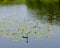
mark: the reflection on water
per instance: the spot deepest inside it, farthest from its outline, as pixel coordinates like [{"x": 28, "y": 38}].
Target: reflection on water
[
  {"x": 48, "y": 12},
  {"x": 21, "y": 22}
]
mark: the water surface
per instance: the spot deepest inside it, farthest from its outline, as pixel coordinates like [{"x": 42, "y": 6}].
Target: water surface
[{"x": 22, "y": 24}]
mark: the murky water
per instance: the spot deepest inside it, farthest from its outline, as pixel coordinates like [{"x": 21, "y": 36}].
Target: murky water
[{"x": 21, "y": 24}]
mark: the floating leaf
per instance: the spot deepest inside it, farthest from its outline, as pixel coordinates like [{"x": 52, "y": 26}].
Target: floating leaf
[
  {"x": 39, "y": 38},
  {"x": 1, "y": 33},
  {"x": 27, "y": 32},
  {"x": 50, "y": 36},
  {"x": 15, "y": 40},
  {"x": 35, "y": 26},
  {"x": 9, "y": 36}
]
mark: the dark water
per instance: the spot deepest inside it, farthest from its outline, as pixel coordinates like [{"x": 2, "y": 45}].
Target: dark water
[{"x": 30, "y": 26}]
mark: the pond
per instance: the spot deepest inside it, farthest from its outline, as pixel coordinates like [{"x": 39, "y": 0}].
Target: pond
[{"x": 27, "y": 26}]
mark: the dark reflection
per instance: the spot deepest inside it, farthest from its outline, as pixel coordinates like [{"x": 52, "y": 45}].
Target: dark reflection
[
  {"x": 26, "y": 40},
  {"x": 11, "y": 0},
  {"x": 1, "y": 0},
  {"x": 49, "y": 12},
  {"x": 33, "y": 3}
]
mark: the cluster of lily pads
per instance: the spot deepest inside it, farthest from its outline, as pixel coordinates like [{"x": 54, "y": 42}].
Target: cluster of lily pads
[{"x": 17, "y": 30}]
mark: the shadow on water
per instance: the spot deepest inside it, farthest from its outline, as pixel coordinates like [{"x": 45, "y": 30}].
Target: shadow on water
[{"x": 45, "y": 11}]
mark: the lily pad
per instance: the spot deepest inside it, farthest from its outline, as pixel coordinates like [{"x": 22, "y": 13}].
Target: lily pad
[
  {"x": 50, "y": 36},
  {"x": 35, "y": 26}
]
